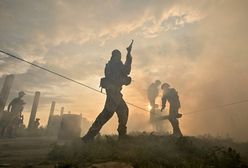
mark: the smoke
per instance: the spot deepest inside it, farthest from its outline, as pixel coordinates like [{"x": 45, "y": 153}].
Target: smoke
[
  {"x": 199, "y": 47},
  {"x": 208, "y": 66}
]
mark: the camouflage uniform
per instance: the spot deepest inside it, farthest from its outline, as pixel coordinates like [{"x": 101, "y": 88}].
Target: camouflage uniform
[
  {"x": 171, "y": 95},
  {"x": 115, "y": 72}
]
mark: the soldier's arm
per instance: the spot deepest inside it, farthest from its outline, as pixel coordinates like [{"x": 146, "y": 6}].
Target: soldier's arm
[
  {"x": 128, "y": 62},
  {"x": 21, "y": 110},
  {"x": 10, "y": 105},
  {"x": 164, "y": 100}
]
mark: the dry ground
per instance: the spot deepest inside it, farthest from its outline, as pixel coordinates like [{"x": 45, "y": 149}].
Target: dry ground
[{"x": 26, "y": 152}]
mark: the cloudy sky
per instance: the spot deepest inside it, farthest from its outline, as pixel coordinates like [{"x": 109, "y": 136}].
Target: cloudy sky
[{"x": 198, "y": 46}]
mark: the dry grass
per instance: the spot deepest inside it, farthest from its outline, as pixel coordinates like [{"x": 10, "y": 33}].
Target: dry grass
[{"x": 153, "y": 151}]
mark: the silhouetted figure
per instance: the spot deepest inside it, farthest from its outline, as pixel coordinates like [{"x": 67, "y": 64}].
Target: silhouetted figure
[
  {"x": 171, "y": 95},
  {"x": 37, "y": 123},
  {"x": 14, "y": 115},
  {"x": 116, "y": 75},
  {"x": 152, "y": 92}
]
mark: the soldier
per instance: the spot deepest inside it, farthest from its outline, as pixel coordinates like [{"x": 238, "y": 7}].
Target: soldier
[
  {"x": 15, "y": 109},
  {"x": 16, "y": 105},
  {"x": 36, "y": 123},
  {"x": 171, "y": 95},
  {"x": 152, "y": 92},
  {"x": 116, "y": 75}
]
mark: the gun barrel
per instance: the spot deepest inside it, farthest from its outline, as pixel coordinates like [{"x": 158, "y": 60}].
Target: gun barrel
[{"x": 131, "y": 43}]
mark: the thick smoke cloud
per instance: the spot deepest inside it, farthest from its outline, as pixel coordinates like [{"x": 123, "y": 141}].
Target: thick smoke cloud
[
  {"x": 199, "y": 47},
  {"x": 208, "y": 66}
]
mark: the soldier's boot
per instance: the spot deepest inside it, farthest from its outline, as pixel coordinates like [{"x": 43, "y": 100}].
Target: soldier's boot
[
  {"x": 122, "y": 130},
  {"x": 176, "y": 129},
  {"x": 87, "y": 138},
  {"x": 93, "y": 131},
  {"x": 101, "y": 119},
  {"x": 177, "y": 132},
  {"x": 122, "y": 114}
]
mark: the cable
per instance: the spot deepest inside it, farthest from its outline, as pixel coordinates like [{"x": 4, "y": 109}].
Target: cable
[
  {"x": 65, "y": 77},
  {"x": 217, "y": 107},
  {"x": 131, "y": 104},
  {"x": 45, "y": 69}
]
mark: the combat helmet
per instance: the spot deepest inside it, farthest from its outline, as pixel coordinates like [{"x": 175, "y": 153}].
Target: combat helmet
[{"x": 165, "y": 85}]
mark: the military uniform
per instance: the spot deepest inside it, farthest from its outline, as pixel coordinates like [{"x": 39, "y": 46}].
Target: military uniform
[
  {"x": 17, "y": 106},
  {"x": 171, "y": 95},
  {"x": 152, "y": 93},
  {"x": 116, "y": 75},
  {"x": 12, "y": 117}
]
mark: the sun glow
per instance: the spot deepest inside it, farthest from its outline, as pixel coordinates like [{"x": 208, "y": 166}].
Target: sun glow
[{"x": 149, "y": 107}]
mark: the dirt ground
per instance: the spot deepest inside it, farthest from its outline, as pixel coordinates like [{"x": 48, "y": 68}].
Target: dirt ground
[
  {"x": 26, "y": 152},
  {"x": 32, "y": 152}
]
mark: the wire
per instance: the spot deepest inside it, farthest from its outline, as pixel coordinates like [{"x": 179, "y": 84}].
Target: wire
[
  {"x": 131, "y": 104},
  {"x": 65, "y": 77},
  {"x": 217, "y": 107},
  {"x": 45, "y": 69}
]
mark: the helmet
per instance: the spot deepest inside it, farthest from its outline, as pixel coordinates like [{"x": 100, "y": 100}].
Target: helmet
[
  {"x": 158, "y": 82},
  {"x": 21, "y": 93},
  {"x": 116, "y": 55},
  {"x": 165, "y": 85}
]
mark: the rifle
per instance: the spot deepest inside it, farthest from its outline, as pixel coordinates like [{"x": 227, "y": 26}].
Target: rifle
[
  {"x": 129, "y": 48},
  {"x": 167, "y": 117}
]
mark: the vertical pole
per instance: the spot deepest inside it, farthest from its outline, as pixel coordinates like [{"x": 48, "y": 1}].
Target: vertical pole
[
  {"x": 34, "y": 109},
  {"x": 51, "y": 112},
  {"x": 5, "y": 92},
  {"x": 62, "y": 111}
]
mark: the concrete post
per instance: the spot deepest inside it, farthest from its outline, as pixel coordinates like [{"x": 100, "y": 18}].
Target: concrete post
[
  {"x": 34, "y": 109},
  {"x": 62, "y": 111},
  {"x": 51, "y": 112},
  {"x": 5, "y": 92}
]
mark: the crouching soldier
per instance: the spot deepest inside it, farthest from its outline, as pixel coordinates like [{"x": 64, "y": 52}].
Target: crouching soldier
[
  {"x": 116, "y": 75},
  {"x": 171, "y": 95}
]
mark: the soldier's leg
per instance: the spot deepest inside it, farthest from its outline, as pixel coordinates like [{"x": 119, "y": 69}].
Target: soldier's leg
[
  {"x": 122, "y": 114},
  {"x": 103, "y": 117},
  {"x": 174, "y": 122},
  {"x": 175, "y": 125}
]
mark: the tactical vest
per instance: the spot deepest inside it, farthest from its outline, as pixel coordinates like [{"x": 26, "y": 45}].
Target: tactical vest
[{"x": 114, "y": 76}]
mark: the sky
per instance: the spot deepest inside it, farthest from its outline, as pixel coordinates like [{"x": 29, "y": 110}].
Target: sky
[{"x": 197, "y": 46}]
